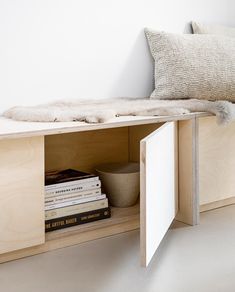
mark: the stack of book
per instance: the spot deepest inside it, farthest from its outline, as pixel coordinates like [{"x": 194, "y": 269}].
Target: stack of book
[{"x": 73, "y": 197}]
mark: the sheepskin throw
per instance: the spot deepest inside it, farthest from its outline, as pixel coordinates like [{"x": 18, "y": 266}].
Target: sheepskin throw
[
  {"x": 97, "y": 111},
  {"x": 198, "y": 66}
]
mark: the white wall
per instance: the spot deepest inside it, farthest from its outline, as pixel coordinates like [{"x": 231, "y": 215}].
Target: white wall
[{"x": 53, "y": 49}]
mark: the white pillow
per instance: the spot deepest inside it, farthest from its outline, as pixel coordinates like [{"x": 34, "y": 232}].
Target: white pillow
[
  {"x": 193, "y": 66},
  {"x": 213, "y": 29}
]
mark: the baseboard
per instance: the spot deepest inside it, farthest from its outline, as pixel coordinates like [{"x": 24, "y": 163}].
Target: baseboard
[{"x": 217, "y": 204}]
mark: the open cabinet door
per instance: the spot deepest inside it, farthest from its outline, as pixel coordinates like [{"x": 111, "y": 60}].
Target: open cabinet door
[{"x": 158, "y": 187}]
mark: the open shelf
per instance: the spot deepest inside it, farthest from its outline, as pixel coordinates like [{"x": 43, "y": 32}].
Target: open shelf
[{"x": 119, "y": 217}]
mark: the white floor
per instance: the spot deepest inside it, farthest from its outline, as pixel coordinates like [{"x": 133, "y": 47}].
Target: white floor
[{"x": 190, "y": 259}]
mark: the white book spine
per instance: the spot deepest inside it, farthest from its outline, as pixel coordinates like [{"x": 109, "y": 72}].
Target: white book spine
[
  {"x": 76, "y": 209},
  {"x": 69, "y": 197},
  {"x": 73, "y": 189},
  {"x": 70, "y": 183},
  {"x": 75, "y": 202}
]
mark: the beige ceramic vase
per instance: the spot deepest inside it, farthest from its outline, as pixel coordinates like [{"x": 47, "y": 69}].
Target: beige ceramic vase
[{"x": 121, "y": 182}]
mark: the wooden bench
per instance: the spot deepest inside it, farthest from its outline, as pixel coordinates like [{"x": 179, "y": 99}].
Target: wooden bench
[{"x": 173, "y": 164}]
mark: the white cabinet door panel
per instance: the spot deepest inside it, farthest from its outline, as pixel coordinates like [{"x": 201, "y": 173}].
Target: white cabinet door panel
[{"x": 159, "y": 189}]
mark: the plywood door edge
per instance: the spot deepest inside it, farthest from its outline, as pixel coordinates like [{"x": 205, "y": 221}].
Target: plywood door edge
[
  {"x": 143, "y": 228},
  {"x": 196, "y": 213},
  {"x": 176, "y": 125}
]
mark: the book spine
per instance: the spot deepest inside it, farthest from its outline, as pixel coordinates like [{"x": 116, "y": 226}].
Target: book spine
[
  {"x": 73, "y": 189},
  {"x": 69, "y": 197},
  {"x": 75, "y": 202},
  {"x": 73, "y": 182},
  {"x": 69, "y": 221},
  {"x": 75, "y": 209}
]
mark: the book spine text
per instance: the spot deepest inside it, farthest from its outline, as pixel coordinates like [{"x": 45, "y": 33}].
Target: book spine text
[
  {"x": 73, "y": 189},
  {"x": 70, "y": 183},
  {"x": 74, "y": 202},
  {"x": 75, "y": 209},
  {"x": 69, "y": 221},
  {"x": 69, "y": 197}
]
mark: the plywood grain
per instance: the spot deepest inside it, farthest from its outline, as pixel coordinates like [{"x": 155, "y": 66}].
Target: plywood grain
[
  {"x": 22, "y": 193},
  {"x": 86, "y": 150},
  {"x": 136, "y": 134},
  {"x": 216, "y": 161},
  {"x": 188, "y": 172}
]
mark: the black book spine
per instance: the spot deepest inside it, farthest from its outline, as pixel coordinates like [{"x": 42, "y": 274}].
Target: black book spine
[{"x": 77, "y": 219}]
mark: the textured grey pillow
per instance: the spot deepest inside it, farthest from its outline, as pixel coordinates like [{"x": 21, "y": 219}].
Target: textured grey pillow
[
  {"x": 193, "y": 66},
  {"x": 213, "y": 29}
]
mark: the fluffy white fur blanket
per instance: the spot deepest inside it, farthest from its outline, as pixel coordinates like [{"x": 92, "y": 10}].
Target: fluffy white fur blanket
[{"x": 98, "y": 111}]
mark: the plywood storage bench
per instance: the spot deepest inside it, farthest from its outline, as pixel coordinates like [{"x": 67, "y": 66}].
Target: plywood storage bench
[{"x": 176, "y": 155}]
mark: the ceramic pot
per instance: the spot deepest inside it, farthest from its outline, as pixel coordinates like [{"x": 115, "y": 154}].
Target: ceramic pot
[{"x": 121, "y": 182}]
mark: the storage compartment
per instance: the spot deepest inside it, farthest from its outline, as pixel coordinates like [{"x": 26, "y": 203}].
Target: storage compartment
[
  {"x": 155, "y": 147},
  {"x": 84, "y": 151}
]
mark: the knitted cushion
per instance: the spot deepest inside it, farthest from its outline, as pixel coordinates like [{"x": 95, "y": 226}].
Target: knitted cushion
[{"x": 193, "y": 66}]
